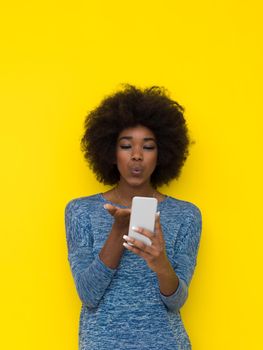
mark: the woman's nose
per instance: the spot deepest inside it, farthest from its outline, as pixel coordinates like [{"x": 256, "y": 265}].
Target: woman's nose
[{"x": 137, "y": 154}]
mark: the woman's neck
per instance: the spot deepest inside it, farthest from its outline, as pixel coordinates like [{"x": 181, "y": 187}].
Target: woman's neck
[
  {"x": 128, "y": 192},
  {"x": 124, "y": 193}
]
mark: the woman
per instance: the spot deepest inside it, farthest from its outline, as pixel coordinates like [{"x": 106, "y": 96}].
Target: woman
[{"x": 131, "y": 295}]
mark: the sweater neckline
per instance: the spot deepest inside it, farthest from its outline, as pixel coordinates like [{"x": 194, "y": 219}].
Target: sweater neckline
[{"x": 159, "y": 204}]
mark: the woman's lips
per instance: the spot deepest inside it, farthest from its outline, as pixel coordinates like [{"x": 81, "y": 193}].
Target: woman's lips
[{"x": 136, "y": 171}]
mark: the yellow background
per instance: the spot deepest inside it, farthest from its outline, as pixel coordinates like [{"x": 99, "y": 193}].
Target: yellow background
[{"x": 58, "y": 59}]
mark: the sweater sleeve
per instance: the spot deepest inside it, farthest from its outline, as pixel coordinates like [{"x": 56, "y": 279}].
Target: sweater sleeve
[
  {"x": 185, "y": 258},
  {"x": 91, "y": 275}
]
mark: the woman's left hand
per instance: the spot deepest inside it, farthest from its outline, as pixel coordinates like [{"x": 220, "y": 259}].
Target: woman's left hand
[{"x": 155, "y": 254}]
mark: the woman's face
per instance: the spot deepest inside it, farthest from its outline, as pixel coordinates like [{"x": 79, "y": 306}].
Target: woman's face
[{"x": 136, "y": 155}]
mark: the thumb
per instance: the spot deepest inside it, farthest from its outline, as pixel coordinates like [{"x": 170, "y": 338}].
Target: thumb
[{"x": 157, "y": 222}]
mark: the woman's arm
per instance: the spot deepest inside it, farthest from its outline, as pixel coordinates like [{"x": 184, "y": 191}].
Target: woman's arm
[
  {"x": 173, "y": 277},
  {"x": 112, "y": 250},
  {"x": 168, "y": 280},
  {"x": 92, "y": 274},
  {"x": 184, "y": 260}
]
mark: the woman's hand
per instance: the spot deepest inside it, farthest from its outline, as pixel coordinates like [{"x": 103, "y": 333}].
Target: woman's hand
[
  {"x": 121, "y": 217},
  {"x": 112, "y": 249},
  {"x": 155, "y": 254}
]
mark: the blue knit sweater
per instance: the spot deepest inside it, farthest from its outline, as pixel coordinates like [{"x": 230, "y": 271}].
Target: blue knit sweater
[{"x": 122, "y": 308}]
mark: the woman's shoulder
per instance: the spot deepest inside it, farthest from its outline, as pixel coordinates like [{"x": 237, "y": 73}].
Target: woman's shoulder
[
  {"x": 84, "y": 204},
  {"x": 183, "y": 212},
  {"x": 183, "y": 207}
]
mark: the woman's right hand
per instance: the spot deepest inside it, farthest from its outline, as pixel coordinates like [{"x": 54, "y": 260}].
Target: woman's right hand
[
  {"x": 121, "y": 217},
  {"x": 113, "y": 248}
]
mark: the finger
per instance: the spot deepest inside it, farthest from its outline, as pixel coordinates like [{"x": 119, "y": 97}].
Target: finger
[
  {"x": 137, "y": 251},
  {"x": 157, "y": 227},
  {"x": 138, "y": 244},
  {"x": 123, "y": 212},
  {"x": 157, "y": 219},
  {"x": 143, "y": 231},
  {"x": 111, "y": 208}
]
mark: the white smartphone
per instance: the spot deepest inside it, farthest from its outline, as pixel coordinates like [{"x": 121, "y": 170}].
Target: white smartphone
[{"x": 143, "y": 212}]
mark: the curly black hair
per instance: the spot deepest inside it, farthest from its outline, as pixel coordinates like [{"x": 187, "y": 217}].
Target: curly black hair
[{"x": 150, "y": 107}]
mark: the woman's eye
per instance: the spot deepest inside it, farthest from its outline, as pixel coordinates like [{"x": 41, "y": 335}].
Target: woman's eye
[{"x": 149, "y": 147}]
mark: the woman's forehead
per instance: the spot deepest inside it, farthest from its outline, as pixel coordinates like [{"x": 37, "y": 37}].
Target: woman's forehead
[{"x": 138, "y": 132}]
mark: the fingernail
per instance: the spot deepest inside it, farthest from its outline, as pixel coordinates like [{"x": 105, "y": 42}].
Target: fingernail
[
  {"x": 158, "y": 213},
  {"x": 134, "y": 228},
  {"x": 125, "y": 245},
  {"x": 127, "y": 238},
  {"x": 105, "y": 206}
]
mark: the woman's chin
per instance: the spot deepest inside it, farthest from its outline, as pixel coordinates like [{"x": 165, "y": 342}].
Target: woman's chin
[{"x": 136, "y": 182}]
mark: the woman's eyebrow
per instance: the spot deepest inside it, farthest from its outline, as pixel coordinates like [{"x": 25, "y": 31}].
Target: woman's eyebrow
[{"x": 130, "y": 138}]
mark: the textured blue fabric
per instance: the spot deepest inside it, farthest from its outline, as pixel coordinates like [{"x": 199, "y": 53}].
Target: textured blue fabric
[{"x": 123, "y": 308}]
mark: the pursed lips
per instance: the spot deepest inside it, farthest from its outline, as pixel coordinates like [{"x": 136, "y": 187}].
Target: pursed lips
[{"x": 136, "y": 170}]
